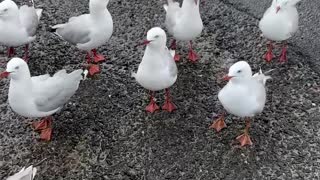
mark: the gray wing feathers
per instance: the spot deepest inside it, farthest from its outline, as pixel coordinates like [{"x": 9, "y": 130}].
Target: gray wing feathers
[
  {"x": 29, "y": 19},
  {"x": 53, "y": 92},
  {"x": 172, "y": 64},
  {"x": 75, "y": 31}
]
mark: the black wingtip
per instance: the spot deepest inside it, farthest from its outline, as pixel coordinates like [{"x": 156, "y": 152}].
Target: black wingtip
[{"x": 53, "y": 30}]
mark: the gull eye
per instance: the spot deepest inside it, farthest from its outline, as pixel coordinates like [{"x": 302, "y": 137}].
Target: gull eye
[
  {"x": 157, "y": 36},
  {"x": 5, "y": 10},
  {"x": 239, "y": 71},
  {"x": 16, "y": 68}
]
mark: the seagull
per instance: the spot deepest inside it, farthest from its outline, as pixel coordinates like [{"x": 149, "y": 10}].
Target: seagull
[
  {"x": 24, "y": 174},
  {"x": 88, "y": 32},
  {"x": 157, "y": 70},
  {"x": 39, "y": 96},
  {"x": 18, "y": 26},
  {"x": 243, "y": 96},
  {"x": 184, "y": 23},
  {"x": 279, "y": 23}
]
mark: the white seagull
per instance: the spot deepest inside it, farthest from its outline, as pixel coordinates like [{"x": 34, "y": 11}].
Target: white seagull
[
  {"x": 157, "y": 70},
  {"x": 18, "y": 26},
  {"x": 243, "y": 96},
  {"x": 39, "y": 96},
  {"x": 24, "y": 174},
  {"x": 279, "y": 23},
  {"x": 88, "y": 32},
  {"x": 184, "y": 23}
]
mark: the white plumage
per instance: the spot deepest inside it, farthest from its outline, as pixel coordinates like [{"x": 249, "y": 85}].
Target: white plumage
[
  {"x": 39, "y": 96},
  {"x": 18, "y": 26},
  {"x": 157, "y": 70},
  {"x": 184, "y": 22},
  {"x": 280, "y": 21},
  {"x": 244, "y": 95},
  {"x": 88, "y": 31}
]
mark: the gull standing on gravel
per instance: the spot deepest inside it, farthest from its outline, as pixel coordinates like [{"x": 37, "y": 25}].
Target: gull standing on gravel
[
  {"x": 18, "y": 26},
  {"x": 184, "y": 23},
  {"x": 39, "y": 96},
  {"x": 279, "y": 23},
  {"x": 24, "y": 174},
  {"x": 88, "y": 32},
  {"x": 157, "y": 70},
  {"x": 243, "y": 96}
]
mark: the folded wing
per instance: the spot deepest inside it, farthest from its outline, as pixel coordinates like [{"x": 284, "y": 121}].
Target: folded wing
[
  {"x": 76, "y": 31},
  {"x": 52, "y": 93}
]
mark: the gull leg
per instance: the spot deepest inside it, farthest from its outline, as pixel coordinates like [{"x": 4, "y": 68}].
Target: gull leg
[
  {"x": 283, "y": 57},
  {"x": 269, "y": 55},
  {"x": 192, "y": 55},
  {"x": 11, "y": 52},
  {"x": 26, "y": 53},
  {"x": 44, "y": 126},
  {"x": 46, "y": 134},
  {"x": 97, "y": 58},
  {"x": 152, "y": 107},
  {"x": 219, "y": 123},
  {"x": 173, "y": 45},
  {"x": 244, "y": 138},
  {"x": 168, "y": 105},
  {"x": 92, "y": 68}
]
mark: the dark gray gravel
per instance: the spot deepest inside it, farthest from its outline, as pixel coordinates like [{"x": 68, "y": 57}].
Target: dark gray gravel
[{"x": 104, "y": 133}]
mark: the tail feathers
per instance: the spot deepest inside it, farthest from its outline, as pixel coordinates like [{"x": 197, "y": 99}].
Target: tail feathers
[
  {"x": 52, "y": 30},
  {"x": 76, "y": 75},
  {"x": 165, "y": 7},
  {"x": 262, "y": 77},
  {"x": 133, "y": 74},
  {"x": 39, "y": 13}
]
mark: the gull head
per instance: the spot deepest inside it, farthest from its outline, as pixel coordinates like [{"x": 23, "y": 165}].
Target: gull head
[
  {"x": 16, "y": 68},
  {"x": 240, "y": 69},
  {"x": 283, "y": 4},
  {"x": 8, "y": 9},
  {"x": 156, "y": 37}
]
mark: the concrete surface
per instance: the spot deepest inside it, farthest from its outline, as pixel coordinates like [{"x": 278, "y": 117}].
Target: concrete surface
[{"x": 104, "y": 133}]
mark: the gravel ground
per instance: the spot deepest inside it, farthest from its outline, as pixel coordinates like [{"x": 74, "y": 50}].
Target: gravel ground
[{"x": 104, "y": 133}]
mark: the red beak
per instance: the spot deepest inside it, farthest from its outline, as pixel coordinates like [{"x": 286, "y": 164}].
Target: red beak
[
  {"x": 278, "y": 9},
  {"x": 4, "y": 74},
  {"x": 227, "y": 78},
  {"x": 144, "y": 43}
]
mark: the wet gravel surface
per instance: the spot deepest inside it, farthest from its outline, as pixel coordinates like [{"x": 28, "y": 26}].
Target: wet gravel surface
[{"x": 104, "y": 133}]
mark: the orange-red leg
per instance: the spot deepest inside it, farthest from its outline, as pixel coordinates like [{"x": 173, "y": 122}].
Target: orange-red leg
[
  {"x": 44, "y": 127},
  {"x": 192, "y": 55},
  {"x": 97, "y": 58},
  {"x": 152, "y": 107},
  {"x": 283, "y": 56},
  {"x": 218, "y": 124},
  {"x": 269, "y": 55},
  {"x": 168, "y": 105},
  {"x": 244, "y": 138}
]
